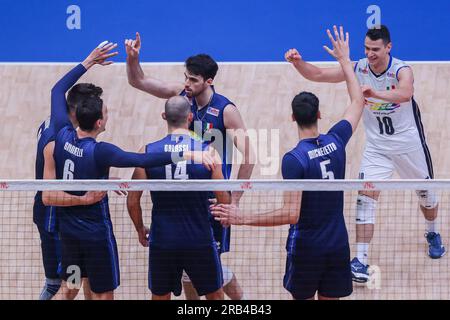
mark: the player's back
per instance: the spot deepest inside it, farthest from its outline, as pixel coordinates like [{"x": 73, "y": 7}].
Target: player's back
[
  {"x": 321, "y": 223},
  {"x": 43, "y": 216},
  {"x": 75, "y": 159},
  {"x": 179, "y": 219}
]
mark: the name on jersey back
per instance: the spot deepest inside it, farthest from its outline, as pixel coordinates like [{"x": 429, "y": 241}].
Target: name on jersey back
[
  {"x": 320, "y": 152},
  {"x": 77, "y": 152},
  {"x": 176, "y": 147}
]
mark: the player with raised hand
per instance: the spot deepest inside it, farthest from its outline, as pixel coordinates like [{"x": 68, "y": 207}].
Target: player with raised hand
[
  {"x": 45, "y": 217},
  {"x": 215, "y": 116},
  {"x": 394, "y": 133},
  {"x": 87, "y": 237},
  {"x": 318, "y": 251}
]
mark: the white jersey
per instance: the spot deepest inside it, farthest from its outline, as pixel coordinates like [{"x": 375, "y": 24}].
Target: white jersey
[{"x": 391, "y": 128}]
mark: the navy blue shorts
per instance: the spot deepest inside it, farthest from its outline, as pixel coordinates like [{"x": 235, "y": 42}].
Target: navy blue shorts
[
  {"x": 221, "y": 236},
  {"x": 97, "y": 259},
  {"x": 166, "y": 267},
  {"x": 328, "y": 274},
  {"x": 51, "y": 253}
]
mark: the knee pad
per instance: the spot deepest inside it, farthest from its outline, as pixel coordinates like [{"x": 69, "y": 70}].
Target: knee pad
[
  {"x": 365, "y": 209},
  {"x": 427, "y": 198},
  {"x": 227, "y": 275}
]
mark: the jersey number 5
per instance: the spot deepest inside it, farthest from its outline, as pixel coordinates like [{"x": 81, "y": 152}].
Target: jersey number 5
[
  {"x": 180, "y": 171},
  {"x": 326, "y": 174}
]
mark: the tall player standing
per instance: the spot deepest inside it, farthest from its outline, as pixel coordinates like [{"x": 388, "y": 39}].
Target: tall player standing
[
  {"x": 214, "y": 114},
  {"x": 395, "y": 137},
  {"x": 317, "y": 247},
  {"x": 180, "y": 237},
  {"x": 45, "y": 217}
]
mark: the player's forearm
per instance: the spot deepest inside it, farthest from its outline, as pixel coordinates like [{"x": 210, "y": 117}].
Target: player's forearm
[
  {"x": 69, "y": 79},
  {"x": 223, "y": 197},
  {"x": 353, "y": 87},
  {"x": 61, "y": 199},
  {"x": 135, "y": 73},
  {"x": 109, "y": 155},
  {"x": 58, "y": 113},
  {"x": 395, "y": 96},
  {"x": 307, "y": 70},
  {"x": 135, "y": 213},
  {"x": 313, "y": 73},
  {"x": 244, "y": 173},
  {"x": 274, "y": 218}
]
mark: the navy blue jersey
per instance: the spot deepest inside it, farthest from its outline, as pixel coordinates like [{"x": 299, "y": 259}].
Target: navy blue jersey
[
  {"x": 211, "y": 117},
  {"x": 86, "y": 158},
  {"x": 179, "y": 219},
  {"x": 321, "y": 225},
  {"x": 44, "y": 217}
]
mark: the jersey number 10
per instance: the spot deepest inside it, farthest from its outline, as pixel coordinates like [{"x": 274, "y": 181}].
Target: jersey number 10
[{"x": 386, "y": 125}]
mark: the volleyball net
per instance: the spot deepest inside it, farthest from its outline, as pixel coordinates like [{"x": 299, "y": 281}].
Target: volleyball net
[{"x": 400, "y": 266}]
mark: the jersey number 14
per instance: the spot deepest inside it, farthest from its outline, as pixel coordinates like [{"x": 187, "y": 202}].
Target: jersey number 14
[{"x": 179, "y": 173}]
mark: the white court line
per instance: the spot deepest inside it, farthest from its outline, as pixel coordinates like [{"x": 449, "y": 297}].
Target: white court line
[{"x": 182, "y": 63}]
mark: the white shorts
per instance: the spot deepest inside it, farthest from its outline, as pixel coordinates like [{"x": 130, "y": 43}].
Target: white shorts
[{"x": 412, "y": 165}]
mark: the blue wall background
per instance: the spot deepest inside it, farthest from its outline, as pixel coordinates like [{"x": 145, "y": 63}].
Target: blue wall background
[{"x": 229, "y": 30}]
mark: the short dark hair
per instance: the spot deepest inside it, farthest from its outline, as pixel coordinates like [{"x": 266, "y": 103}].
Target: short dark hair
[
  {"x": 202, "y": 65},
  {"x": 305, "y": 108},
  {"x": 379, "y": 32},
  {"x": 80, "y": 92},
  {"x": 88, "y": 112}
]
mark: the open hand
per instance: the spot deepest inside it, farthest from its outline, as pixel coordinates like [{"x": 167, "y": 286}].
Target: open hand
[{"x": 341, "y": 49}]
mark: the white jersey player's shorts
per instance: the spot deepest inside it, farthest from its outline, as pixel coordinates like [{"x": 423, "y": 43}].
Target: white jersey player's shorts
[
  {"x": 412, "y": 165},
  {"x": 380, "y": 166}
]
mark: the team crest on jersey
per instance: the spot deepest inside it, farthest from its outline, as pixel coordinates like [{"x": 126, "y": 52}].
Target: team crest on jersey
[
  {"x": 390, "y": 75},
  {"x": 213, "y": 111},
  {"x": 363, "y": 71},
  {"x": 390, "y": 88}
]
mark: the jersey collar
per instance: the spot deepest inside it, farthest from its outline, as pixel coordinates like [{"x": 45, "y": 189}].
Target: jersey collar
[{"x": 389, "y": 66}]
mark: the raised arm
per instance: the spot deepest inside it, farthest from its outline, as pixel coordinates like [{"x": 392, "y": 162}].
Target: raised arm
[
  {"x": 58, "y": 115},
  {"x": 61, "y": 198},
  {"x": 137, "y": 78},
  {"x": 233, "y": 120},
  {"x": 341, "y": 52},
  {"x": 311, "y": 72}
]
